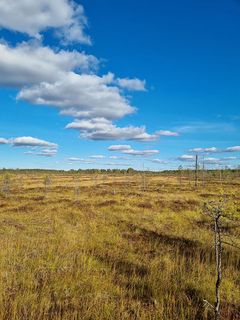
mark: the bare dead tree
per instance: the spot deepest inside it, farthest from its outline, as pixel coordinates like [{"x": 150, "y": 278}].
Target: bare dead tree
[
  {"x": 143, "y": 179},
  {"x": 47, "y": 183},
  {"x": 218, "y": 257},
  {"x": 77, "y": 192},
  {"x": 220, "y": 176},
  {"x": 94, "y": 180},
  {"x": 126, "y": 181},
  {"x": 114, "y": 185},
  {"x": 217, "y": 212},
  {"x": 196, "y": 171},
  {"x": 203, "y": 171},
  {"x": 180, "y": 169},
  {"x": 189, "y": 177}
]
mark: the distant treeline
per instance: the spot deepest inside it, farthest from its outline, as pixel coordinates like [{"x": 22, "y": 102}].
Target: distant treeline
[{"x": 118, "y": 171}]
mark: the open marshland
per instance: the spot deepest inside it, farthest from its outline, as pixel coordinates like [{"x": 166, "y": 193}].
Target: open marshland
[{"x": 104, "y": 246}]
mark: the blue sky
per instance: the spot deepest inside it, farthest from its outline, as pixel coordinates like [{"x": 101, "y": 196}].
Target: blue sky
[{"x": 159, "y": 80}]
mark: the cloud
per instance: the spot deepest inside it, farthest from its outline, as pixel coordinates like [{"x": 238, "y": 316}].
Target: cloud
[
  {"x": 206, "y": 127},
  {"x": 232, "y": 149},
  {"x": 228, "y": 158},
  {"x": 95, "y": 124},
  {"x": 85, "y": 96},
  {"x": 128, "y": 150},
  {"x": 218, "y": 160},
  {"x": 120, "y": 133},
  {"x": 119, "y": 147},
  {"x": 98, "y": 156},
  {"x": 34, "y": 17},
  {"x": 30, "y": 63},
  {"x": 186, "y": 157},
  {"x": 208, "y": 160},
  {"x": 159, "y": 161},
  {"x": 93, "y": 100},
  {"x": 215, "y": 150},
  {"x": 119, "y": 158},
  {"x": 132, "y": 84},
  {"x": 31, "y": 142},
  {"x": 47, "y": 153},
  {"x": 42, "y": 153},
  {"x": 75, "y": 159},
  {"x": 3, "y": 141},
  {"x": 212, "y": 161},
  {"x": 140, "y": 152},
  {"x": 114, "y": 164},
  {"x": 167, "y": 133},
  {"x": 82, "y": 160},
  {"x": 103, "y": 129},
  {"x": 37, "y": 146},
  {"x": 205, "y": 150},
  {"x": 47, "y": 78},
  {"x": 66, "y": 79}
]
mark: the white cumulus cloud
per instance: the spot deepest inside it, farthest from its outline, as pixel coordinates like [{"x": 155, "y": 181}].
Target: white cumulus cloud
[
  {"x": 219, "y": 160},
  {"x": 31, "y": 142},
  {"x": 205, "y": 150},
  {"x": 97, "y": 156},
  {"x": 37, "y": 146},
  {"x": 63, "y": 79},
  {"x": 35, "y": 16},
  {"x": 215, "y": 150},
  {"x": 42, "y": 153},
  {"x": 167, "y": 133},
  {"x": 159, "y": 161},
  {"x": 3, "y": 141},
  {"x": 186, "y": 157},
  {"x": 233, "y": 149},
  {"x": 103, "y": 129},
  {"x": 140, "y": 152},
  {"x": 119, "y": 147},
  {"x": 30, "y": 63},
  {"x": 132, "y": 84},
  {"x": 128, "y": 150},
  {"x": 85, "y": 95}
]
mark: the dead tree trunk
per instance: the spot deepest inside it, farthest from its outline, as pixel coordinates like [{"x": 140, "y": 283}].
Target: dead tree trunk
[
  {"x": 196, "y": 171},
  {"x": 218, "y": 257},
  {"x": 220, "y": 176},
  {"x": 143, "y": 179},
  {"x": 189, "y": 177},
  {"x": 215, "y": 211},
  {"x": 203, "y": 172},
  {"x": 180, "y": 168}
]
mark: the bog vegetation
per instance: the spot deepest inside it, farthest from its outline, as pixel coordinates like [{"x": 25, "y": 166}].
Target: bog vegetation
[{"x": 116, "y": 245}]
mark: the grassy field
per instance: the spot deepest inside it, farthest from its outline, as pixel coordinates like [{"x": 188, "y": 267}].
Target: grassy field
[{"x": 77, "y": 246}]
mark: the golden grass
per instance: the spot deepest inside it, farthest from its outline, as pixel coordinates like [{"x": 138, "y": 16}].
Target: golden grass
[{"x": 98, "y": 247}]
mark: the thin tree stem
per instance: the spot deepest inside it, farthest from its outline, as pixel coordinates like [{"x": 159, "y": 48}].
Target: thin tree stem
[{"x": 218, "y": 256}]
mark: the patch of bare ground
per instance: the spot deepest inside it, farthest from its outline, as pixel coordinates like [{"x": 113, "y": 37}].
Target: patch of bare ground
[{"x": 107, "y": 203}]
